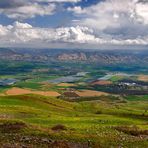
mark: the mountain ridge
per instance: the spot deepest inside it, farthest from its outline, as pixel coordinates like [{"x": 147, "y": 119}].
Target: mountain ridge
[{"x": 44, "y": 55}]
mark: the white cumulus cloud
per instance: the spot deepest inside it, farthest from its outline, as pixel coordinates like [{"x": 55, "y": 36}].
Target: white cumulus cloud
[
  {"x": 23, "y": 33},
  {"x": 59, "y": 1},
  {"x": 115, "y": 18}
]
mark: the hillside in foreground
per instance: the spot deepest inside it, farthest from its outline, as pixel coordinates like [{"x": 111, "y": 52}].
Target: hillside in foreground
[{"x": 37, "y": 121}]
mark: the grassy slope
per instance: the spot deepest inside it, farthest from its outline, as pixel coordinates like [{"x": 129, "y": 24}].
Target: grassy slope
[{"x": 85, "y": 121}]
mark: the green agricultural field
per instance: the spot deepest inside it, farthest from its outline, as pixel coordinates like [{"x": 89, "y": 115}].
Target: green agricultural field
[
  {"x": 31, "y": 85},
  {"x": 39, "y": 121},
  {"x": 117, "y": 78},
  {"x": 137, "y": 98}
]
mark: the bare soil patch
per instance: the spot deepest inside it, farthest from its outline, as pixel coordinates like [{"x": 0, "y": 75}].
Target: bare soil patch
[
  {"x": 12, "y": 127},
  {"x": 143, "y": 78},
  {"x": 20, "y": 91},
  {"x": 101, "y": 82}
]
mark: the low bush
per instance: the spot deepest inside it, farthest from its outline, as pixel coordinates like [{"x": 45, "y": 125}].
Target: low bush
[
  {"x": 134, "y": 130},
  {"x": 59, "y": 127}
]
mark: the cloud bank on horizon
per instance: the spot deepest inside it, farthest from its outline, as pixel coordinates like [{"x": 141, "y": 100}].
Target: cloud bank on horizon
[{"x": 94, "y": 23}]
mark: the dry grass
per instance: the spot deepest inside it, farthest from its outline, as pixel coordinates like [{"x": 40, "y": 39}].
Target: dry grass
[
  {"x": 143, "y": 78},
  {"x": 1, "y": 94},
  {"x": 20, "y": 91},
  {"x": 90, "y": 93},
  {"x": 66, "y": 84}
]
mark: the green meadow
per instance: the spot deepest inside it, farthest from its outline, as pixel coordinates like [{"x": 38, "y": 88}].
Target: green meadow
[{"x": 99, "y": 123}]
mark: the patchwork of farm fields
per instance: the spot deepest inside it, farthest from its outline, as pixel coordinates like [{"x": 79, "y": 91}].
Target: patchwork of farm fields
[{"x": 73, "y": 107}]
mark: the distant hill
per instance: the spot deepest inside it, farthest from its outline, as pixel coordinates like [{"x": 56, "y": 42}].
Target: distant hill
[
  {"x": 6, "y": 51},
  {"x": 100, "y": 56}
]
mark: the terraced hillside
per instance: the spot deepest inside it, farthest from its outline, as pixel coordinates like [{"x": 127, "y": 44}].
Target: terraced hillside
[{"x": 37, "y": 121}]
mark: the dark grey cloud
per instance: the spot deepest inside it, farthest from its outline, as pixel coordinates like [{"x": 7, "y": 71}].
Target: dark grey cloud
[
  {"x": 144, "y": 1},
  {"x": 6, "y": 4},
  {"x": 24, "y": 9}
]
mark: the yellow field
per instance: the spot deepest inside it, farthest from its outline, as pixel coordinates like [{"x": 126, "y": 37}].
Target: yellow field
[
  {"x": 20, "y": 91},
  {"x": 143, "y": 78},
  {"x": 90, "y": 93},
  {"x": 66, "y": 84}
]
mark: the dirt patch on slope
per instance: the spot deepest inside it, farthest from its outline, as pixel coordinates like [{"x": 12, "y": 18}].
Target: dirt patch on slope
[{"x": 11, "y": 127}]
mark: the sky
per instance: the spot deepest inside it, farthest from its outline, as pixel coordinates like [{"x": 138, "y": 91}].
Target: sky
[{"x": 108, "y": 24}]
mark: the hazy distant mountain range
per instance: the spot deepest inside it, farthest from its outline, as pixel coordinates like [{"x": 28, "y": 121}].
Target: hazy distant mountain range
[{"x": 100, "y": 56}]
